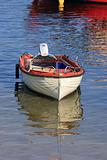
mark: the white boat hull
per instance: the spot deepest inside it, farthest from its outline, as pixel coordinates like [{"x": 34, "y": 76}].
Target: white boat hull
[{"x": 50, "y": 86}]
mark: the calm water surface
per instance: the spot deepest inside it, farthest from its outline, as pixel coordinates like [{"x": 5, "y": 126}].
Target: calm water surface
[{"x": 34, "y": 127}]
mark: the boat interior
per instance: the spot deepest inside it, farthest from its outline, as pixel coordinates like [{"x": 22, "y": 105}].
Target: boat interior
[
  {"x": 57, "y": 64},
  {"x": 47, "y": 63}
]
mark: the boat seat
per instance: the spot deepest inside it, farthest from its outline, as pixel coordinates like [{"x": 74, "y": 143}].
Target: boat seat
[{"x": 42, "y": 69}]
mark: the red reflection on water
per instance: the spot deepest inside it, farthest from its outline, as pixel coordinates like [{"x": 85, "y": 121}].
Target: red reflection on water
[
  {"x": 96, "y": 13},
  {"x": 98, "y": 16},
  {"x": 101, "y": 1}
]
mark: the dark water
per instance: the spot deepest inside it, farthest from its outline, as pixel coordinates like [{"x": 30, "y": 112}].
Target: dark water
[{"x": 33, "y": 127}]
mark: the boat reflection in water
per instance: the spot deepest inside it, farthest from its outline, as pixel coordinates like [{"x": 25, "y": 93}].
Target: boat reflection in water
[{"x": 55, "y": 118}]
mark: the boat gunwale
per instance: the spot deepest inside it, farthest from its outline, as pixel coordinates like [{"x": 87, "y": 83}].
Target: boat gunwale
[{"x": 52, "y": 74}]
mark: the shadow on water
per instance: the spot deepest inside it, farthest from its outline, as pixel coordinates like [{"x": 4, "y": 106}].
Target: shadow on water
[{"x": 56, "y": 118}]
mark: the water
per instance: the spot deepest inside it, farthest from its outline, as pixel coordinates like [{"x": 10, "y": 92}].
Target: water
[{"x": 34, "y": 126}]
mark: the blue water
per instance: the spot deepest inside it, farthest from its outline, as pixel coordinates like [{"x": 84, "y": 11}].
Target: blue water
[{"x": 36, "y": 127}]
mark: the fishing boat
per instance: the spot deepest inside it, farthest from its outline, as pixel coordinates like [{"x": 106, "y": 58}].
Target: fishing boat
[{"x": 54, "y": 76}]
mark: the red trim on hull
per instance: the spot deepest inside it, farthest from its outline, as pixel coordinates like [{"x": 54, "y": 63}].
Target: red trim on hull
[
  {"x": 53, "y": 75},
  {"x": 58, "y": 73}
]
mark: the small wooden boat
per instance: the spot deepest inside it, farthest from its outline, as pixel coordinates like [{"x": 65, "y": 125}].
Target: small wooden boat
[{"x": 54, "y": 76}]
